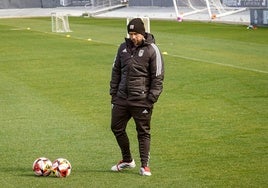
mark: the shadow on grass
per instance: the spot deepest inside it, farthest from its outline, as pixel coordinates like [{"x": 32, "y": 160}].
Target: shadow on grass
[
  {"x": 26, "y": 172},
  {"x": 108, "y": 171}
]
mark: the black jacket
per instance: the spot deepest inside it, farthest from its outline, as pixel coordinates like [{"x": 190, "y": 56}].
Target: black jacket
[{"x": 138, "y": 73}]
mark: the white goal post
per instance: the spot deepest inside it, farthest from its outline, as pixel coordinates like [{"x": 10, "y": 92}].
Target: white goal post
[
  {"x": 60, "y": 23},
  {"x": 65, "y": 2},
  {"x": 146, "y": 21}
]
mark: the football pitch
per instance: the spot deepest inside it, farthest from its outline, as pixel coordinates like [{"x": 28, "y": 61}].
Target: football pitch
[{"x": 209, "y": 127}]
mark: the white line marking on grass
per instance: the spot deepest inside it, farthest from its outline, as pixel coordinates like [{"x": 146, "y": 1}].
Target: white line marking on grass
[
  {"x": 78, "y": 38},
  {"x": 18, "y": 29},
  {"x": 222, "y": 64}
]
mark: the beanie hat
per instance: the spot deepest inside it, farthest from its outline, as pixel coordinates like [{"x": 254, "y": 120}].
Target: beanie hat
[{"x": 136, "y": 25}]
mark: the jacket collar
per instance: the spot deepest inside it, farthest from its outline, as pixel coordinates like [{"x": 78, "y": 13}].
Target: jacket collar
[{"x": 149, "y": 39}]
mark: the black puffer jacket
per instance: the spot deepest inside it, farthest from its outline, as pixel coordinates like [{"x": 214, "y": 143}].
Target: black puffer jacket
[{"x": 138, "y": 73}]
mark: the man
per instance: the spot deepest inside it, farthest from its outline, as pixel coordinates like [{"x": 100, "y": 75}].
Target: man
[{"x": 136, "y": 83}]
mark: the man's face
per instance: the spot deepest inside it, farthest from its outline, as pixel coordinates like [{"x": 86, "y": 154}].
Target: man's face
[{"x": 136, "y": 38}]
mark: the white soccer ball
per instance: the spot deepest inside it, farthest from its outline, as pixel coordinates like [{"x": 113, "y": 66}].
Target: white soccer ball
[
  {"x": 61, "y": 167},
  {"x": 42, "y": 166}
]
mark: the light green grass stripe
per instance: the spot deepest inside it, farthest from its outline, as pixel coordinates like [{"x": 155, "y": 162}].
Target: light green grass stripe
[
  {"x": 216, "y": 63},
  {"x": 172, "y": 55}
]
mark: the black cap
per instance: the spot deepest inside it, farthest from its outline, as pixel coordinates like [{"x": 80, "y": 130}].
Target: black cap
[{"x": 136, "y": 25}]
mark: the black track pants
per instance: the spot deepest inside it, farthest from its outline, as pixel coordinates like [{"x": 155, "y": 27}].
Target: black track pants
[{"x": 142, "y": 117}]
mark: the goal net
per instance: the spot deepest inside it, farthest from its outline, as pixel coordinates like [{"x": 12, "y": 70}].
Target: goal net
[
  {"x": 60, "y": 23},
  {"x": 213, "y": 8},
  {"x": 95, "y": 7},
  {"x": 146, "y": 21}
]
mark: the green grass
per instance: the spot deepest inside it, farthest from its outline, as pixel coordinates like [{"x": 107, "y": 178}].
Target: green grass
[{"x": 209, "y": 128}]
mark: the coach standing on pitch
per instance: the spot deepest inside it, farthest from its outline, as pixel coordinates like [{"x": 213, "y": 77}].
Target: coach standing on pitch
[{"x": 136, "y": 83}]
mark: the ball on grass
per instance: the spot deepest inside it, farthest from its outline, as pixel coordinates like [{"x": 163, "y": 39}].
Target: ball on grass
[
  {"x": 179, "y": 19},
  {"x": 42, "y": 166},
  {"x": 61, "y": 168}
]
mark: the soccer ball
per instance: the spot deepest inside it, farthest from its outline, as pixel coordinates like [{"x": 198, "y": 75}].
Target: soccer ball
[
  {"x": 179, "y": 19},
  {"x": 42, "y": 166},
  {"x": 61, "y": 167}
]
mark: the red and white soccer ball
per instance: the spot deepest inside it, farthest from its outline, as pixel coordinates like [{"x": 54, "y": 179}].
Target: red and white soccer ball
[
  {"x": 61, "y": 167},
  {"x": 42, "y": 166}
]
